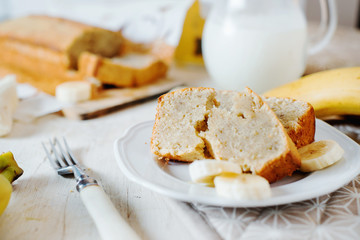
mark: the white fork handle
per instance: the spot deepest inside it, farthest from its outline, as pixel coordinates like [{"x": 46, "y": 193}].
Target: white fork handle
[{"x": 106, "y": 217}]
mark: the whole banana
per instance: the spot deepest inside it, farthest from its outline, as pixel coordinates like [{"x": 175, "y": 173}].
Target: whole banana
[
  {"x": 9, "y": 172},
  {"x": 5, "y": 193},
  {"x": 331, "y": 92}
]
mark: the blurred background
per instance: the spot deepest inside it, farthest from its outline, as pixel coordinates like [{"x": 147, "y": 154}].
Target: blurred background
[
  {"x": 102, "y": 10},
  {"x": 348, "y": 12},
  {"x": 163, "y": 18}
]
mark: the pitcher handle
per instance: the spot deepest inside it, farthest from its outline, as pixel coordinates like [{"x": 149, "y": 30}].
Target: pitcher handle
[{"x": 328, "y": 25}]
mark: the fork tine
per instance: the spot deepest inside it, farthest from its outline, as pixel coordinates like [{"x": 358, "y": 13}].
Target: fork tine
[
  {"x": 73, "y": 159},
  {"x": 53, "y": 162},
  {"x": 65, "y": 154},
  {"x": 58, "y": 158}
]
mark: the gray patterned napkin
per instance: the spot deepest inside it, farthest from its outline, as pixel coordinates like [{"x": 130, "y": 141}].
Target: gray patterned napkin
[{"x": 333, "y": 216}]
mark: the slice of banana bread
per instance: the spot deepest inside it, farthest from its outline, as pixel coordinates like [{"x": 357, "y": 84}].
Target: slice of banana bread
[
  {"x": 197, "y": 123},
  {"x": 130, "y": 70},
  {"x": 181, "y": 116},
  {"x": 298, "y": 118}
]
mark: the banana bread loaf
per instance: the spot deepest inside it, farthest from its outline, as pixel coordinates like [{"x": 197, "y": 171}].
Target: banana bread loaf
[{"x": 51, "y": 40}]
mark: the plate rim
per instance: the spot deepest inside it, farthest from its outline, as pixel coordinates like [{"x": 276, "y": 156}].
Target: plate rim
[{"x": 129, "y": 172}]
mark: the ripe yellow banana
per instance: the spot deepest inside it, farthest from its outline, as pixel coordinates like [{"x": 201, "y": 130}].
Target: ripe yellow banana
[
  {"x": 332, "y": 92},
  {"x": 5, "y": 193},
  {"x": 9, "y": 172},
  {"x": 319, "y": 155}
]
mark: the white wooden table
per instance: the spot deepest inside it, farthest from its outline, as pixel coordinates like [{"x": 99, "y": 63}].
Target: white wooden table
[{"x": 47, "y": 206}]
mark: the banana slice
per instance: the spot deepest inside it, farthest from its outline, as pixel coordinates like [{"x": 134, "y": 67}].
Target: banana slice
[
  {"x": 8, "y": 103},
  {"x": 242, "y": 187},
  {"x": 8, "y": 94},
  {"x": 319, "y": 155},
  {"x": 204, "y": 171},
  {"x": 73, "y": 92}
]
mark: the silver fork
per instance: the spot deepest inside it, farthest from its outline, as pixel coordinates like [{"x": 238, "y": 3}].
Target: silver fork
[{"x": 107, "y": 219}]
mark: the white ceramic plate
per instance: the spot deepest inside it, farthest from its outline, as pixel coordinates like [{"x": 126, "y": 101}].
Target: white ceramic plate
[{"x": 133, "y": 155}]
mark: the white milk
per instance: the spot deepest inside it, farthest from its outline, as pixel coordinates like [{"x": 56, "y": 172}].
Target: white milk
[{"x": 261, "y": 51}]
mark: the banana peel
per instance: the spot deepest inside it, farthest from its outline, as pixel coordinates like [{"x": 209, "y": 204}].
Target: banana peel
[
  {"x": 9, "y": 172},
  {"x": 331, "y": 92}
]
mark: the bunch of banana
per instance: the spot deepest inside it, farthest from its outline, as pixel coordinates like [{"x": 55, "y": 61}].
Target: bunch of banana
[
  {"x": 9, "y": 172},
  {"x": 230, "y": 182},
  {"x": 332, "y": 92}
]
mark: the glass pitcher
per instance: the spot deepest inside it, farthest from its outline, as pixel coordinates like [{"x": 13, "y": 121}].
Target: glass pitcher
[{"x": 260, "y": 44}]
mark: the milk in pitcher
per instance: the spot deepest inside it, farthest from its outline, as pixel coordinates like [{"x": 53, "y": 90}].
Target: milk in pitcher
[{"x": 260, "y": 51}]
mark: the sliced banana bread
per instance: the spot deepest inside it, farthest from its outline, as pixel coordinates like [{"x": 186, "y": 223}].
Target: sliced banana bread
[
  {"x": 197, "y": 123},
  {"x": 180, "y": 117},
  {"x": 130, "y": 70}
]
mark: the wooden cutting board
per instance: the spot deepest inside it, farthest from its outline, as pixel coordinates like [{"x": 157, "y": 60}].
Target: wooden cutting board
[{"x": 111, "y": 100}]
